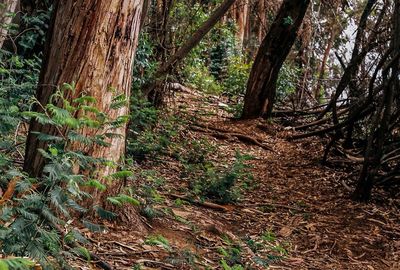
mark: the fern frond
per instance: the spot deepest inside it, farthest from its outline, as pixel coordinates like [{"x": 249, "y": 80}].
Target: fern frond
[
  {"x": 93, "y": 227},
  {"x": 104, "y": 214}
]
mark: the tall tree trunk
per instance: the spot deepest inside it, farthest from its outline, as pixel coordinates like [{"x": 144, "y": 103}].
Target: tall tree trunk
[
  {"x": 91, "y": 43},
  {"x": 7, "y": 7},
  {"x": 261, "y": 87}
]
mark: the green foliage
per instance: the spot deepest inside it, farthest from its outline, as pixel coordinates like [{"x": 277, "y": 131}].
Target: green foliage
[
  {"x": 145, "y": 64},
  {"x": 30, "y": 221},
  {"x": 288, "y": 21},
  {"x": 19, "y": 72},
  {"x": 238, "y": 71},
  {"x": 268, "y": 247},
  {"x": 198, "y": 76},
  {"x": 287, "y": 81},
  {"x": 231, "y": 256},
  {"x": 218, "y": 184},
  {"x": 143, "y": 115},
  {"x": 158, "y": 240},
  {"x": 32, "y": 41},
  {"x": 216, "y": 65},
  {"x": 150, "y": 136},
  {"x": 16, "y": 264}
]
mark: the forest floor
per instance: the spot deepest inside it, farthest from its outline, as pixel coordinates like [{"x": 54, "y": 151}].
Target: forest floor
[{"x": 295, "y": 214}]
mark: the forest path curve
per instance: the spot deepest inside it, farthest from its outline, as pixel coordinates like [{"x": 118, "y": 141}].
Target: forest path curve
[{"x": 296, "y": 215}]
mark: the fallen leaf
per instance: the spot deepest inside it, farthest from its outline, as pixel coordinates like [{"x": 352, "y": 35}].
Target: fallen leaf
[{"x": 285, "y": 231}]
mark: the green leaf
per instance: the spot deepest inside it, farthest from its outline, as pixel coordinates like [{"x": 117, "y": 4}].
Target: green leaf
[
  {"x": 82, "y": 252},
  {"x": 121, "y": 174},
  {"x": 3, "y": 265},
  {"x": 96, "y": 184},
  {"x": 104, "y": 214},
  {"x": 128, "y": 199},
  {"x": 114, "y": 200},
  {"x": 93, "y": 227}
]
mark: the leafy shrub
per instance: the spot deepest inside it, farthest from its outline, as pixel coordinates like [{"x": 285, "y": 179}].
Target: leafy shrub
[
  {"x": 219, "y": 184},
  {"x": 16, "y": 264},
  {"x": 238, "y": 71},
  {"x": 145, "y": 64},
  {"x": 196, "y": 151},
  {"x": 286, "y": 84},
  {"x": 152, "y": 142},
  {"x": 198, "y": 76},
  {"x": 33, "y": 28}
]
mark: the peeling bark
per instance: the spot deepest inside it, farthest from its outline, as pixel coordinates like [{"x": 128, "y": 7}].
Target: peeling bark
[{"x": 93, "y": 44}]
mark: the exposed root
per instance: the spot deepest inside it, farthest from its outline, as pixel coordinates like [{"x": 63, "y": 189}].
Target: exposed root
[{"x": 226, "y": 134}]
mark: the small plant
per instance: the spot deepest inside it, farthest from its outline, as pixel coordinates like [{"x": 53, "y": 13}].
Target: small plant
[
  {"x": 232, "y": 255},
  {"x": 150, "y": 136},
  {"x": 196, "y": 151},
  {"x": 268, "y": 248},
  {"x": 219, "y": 185},
  {"x": 158, "y": 240},
  {"x": 198, "y": 76}
]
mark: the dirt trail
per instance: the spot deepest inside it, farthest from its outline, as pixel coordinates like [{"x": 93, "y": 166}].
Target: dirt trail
[{"x": 296, "y": 214}]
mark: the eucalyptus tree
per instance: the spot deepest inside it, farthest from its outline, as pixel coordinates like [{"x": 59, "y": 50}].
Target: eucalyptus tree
[{"x": 91, "y": 44}]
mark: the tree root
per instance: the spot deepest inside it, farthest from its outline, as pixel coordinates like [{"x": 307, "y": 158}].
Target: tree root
[{"x": 225, "y": 134}]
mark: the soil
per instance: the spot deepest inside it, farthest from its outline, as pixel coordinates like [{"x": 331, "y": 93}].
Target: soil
[{"x": 295, "y": 214}]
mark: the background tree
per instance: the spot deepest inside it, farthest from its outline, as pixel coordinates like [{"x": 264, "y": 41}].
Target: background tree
[
  {"x": 261, "y": 88},
  {"x": 7, "y": 8}
]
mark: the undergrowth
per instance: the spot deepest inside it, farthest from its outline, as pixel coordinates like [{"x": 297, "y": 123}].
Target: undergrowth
[
  {"x": 162, "y": 137},
  {"x": 39, "y": 220}
]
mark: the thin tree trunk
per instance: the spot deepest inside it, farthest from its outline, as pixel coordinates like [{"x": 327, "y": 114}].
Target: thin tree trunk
[
  {"x": 317, "y": 91},
  {"x": 7, "y": 7},
  {"x": 381, "y": 123},
  {"x": 241, "y": 17},
  {"x": 189, "y": 45},
  {"x": 356, "y": 58},
  {"x": 93, "y": 44},
  {"x": 261, "y": 87}
]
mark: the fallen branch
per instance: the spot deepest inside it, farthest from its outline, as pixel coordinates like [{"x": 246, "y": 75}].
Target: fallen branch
[
  {"x": 276, "y": 205},
  {"x": 205, "y": 204},
  {"x": 319, "y": 122},
  {"x": 9, "y": 191},
  {"x": 357, "y": 115}
]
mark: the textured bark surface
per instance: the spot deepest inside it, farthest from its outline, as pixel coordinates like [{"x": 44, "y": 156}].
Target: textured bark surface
[
  {"x": 7, "y": 7},
  {"x": 93, "y": 44},
  {"x": 261, "y": 88}
]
